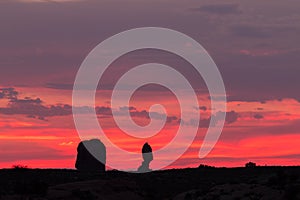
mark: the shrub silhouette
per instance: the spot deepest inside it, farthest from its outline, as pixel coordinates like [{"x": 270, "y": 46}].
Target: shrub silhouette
[
  {"x": 250, "y": 164},
  {"x": 202, "y": 166},
  {"x": 20, "y": 167},
  {"x": 85, "y": 161}
]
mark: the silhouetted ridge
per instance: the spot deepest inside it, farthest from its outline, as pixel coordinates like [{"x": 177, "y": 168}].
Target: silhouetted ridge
[{"x": 86, "y": 161}]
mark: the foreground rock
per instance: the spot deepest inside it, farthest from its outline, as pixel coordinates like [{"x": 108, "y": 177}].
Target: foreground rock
[
  {"x": 85, "y": 161},
  {"x": 147, "y": 158}
]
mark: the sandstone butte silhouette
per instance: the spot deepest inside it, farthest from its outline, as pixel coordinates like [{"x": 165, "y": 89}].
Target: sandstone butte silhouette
[
  {"x": 147, "y": 158},
  {"x": 85, "y": 161}
]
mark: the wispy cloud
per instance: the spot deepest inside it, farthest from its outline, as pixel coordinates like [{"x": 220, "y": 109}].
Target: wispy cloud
[
  {"x": 47, "y": 1},
  {"x": 219, "y": 9}
]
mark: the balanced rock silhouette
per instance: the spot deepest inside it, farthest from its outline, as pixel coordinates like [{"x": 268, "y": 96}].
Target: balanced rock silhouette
[
  {"x": 147, "y": 158},
  {"x": 85, "y": 161}
]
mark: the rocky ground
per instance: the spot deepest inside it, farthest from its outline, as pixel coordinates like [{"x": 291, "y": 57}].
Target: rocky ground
[{"x": 201, "y": 183}]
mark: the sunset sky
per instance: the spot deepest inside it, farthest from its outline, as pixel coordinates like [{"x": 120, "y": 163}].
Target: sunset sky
[{"x": 255, "y": 44}]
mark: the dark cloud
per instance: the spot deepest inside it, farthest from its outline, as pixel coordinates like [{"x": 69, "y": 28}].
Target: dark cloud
[
  {"x": 230, "y": 118},
  {"x": 31, "y": 116},
  {"x": 103, "y": 110},
  {"x": 106, "y": 112},
  {"x": 146, "y": 115},
  {"x": 203, "y": 108},
  {"x": 249, "y": 98},
  {"x": 171, "y": 119},
  {"x": 219, "y": 9},
  {"x": 141, "y": 114},
  {"x": 258, "y": 116},
  {"x": 124, "y": 108},
  {"x": 35, "y": 108},
  {"x": 252, "y": 31},
  {"x": 8, "y": 93},
  {"x": 26, "y": 100},
  {"x": 31, "y": 107},
  {"x": 59, "y": 86}
]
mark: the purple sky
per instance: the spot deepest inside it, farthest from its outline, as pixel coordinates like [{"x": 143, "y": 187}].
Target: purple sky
[{"x": 255, "y": 44}]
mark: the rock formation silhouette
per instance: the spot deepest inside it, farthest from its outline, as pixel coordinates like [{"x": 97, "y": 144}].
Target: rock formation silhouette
[
  {"x": 85, "y": 161},
  {"x": 147, "y": 158}
]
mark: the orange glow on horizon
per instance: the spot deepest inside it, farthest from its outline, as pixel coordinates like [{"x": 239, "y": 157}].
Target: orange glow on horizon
[{"x": 53, "y": 141}]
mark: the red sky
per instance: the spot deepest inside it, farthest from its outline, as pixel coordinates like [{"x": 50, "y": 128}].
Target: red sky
[
  {"x": 266, "y": 133},
  {"x": 254, "y": 44}
]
